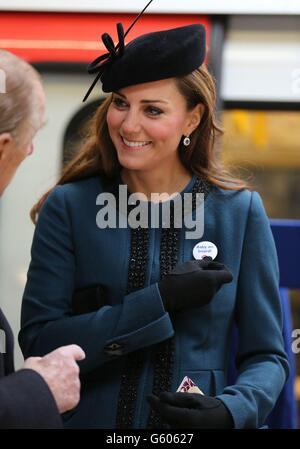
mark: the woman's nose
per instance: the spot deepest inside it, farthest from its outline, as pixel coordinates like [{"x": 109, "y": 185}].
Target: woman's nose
[{"x": 131, "y": 123}]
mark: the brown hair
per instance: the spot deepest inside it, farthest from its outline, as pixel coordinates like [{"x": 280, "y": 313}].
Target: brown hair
[
  {"x": 99, "y": 155},
  {"x": 15, "y": 105},
  {"x": 202, "y": 156}
]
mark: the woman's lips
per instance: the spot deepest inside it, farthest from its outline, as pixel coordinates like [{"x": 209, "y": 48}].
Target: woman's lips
[{"x": 144, "y": 144}]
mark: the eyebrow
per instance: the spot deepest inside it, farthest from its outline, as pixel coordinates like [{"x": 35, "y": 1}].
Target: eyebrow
[{"x": 143, "y": 101}]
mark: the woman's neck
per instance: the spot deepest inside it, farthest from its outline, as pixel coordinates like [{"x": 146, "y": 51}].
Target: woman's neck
[{"x": 156, "y": 181}]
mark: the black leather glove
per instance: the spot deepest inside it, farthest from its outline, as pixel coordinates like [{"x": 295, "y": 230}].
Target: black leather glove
[
  {"x": 191, "y": 411},
  {"x": 193, "y": 284}
]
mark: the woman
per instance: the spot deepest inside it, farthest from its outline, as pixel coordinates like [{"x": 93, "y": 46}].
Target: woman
[
  {"x": 34, "y": 396},
  {"x": 145, "y": 312}
]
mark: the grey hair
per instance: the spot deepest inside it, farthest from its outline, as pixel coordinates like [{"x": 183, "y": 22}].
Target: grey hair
[{"x": 16, "y": 103}]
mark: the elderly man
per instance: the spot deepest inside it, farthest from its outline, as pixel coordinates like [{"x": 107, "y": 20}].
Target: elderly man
[{"x": 34, "y": 396}]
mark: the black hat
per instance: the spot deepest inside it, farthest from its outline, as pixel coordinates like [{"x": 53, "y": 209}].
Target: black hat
[
  {"x": 150, "y": 57},
  {"x": 156, "y": 56}
]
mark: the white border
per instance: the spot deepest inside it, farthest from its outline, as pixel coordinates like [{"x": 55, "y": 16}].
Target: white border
[{"x": 282, "y": 7}]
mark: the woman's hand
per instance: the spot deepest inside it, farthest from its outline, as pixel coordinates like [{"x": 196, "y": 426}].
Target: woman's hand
[
  {"x": 193, "y": 284},
  {"x": 191, "y": 411}
]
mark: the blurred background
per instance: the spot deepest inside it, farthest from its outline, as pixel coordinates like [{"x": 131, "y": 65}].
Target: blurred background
[{"x": 254, "y": 55}]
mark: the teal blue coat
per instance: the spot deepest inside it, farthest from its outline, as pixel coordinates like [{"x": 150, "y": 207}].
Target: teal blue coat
[{"x": 70, "y": 252}]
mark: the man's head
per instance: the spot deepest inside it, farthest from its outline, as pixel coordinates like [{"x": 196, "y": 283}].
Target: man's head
[{"x": 22, "y": 113}]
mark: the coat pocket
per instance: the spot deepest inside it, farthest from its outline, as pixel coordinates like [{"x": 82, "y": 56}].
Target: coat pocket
[{"x": 210, "y": 382}]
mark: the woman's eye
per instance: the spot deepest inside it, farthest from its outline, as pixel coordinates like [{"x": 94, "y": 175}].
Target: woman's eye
[
  {"x": 119, "y": 103},
  {"x": 153, "y": 111}
]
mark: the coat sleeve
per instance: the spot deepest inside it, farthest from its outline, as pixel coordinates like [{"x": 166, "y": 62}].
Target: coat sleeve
[
  {"x": 27, "y": 403},
  {"x": 261, "y": 359},
  {"x": 47, "y": 320}
]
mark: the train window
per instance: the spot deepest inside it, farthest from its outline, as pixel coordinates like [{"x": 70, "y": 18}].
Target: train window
[
  {"x": 261, "y": 59},
  {"x": 265, "y": 145}
]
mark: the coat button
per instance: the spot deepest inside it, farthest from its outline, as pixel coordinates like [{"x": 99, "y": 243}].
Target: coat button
[{"x": 114, "y": 349}]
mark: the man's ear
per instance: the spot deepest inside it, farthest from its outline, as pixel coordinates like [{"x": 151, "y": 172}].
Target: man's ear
[{"x": 5, "y": 140}]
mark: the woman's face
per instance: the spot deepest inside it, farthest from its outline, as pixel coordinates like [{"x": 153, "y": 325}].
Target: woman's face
[{"x": 146, "y": 123}]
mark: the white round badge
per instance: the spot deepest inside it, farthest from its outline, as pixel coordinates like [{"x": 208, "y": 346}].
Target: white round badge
[{"x": 203, "y": 249}]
